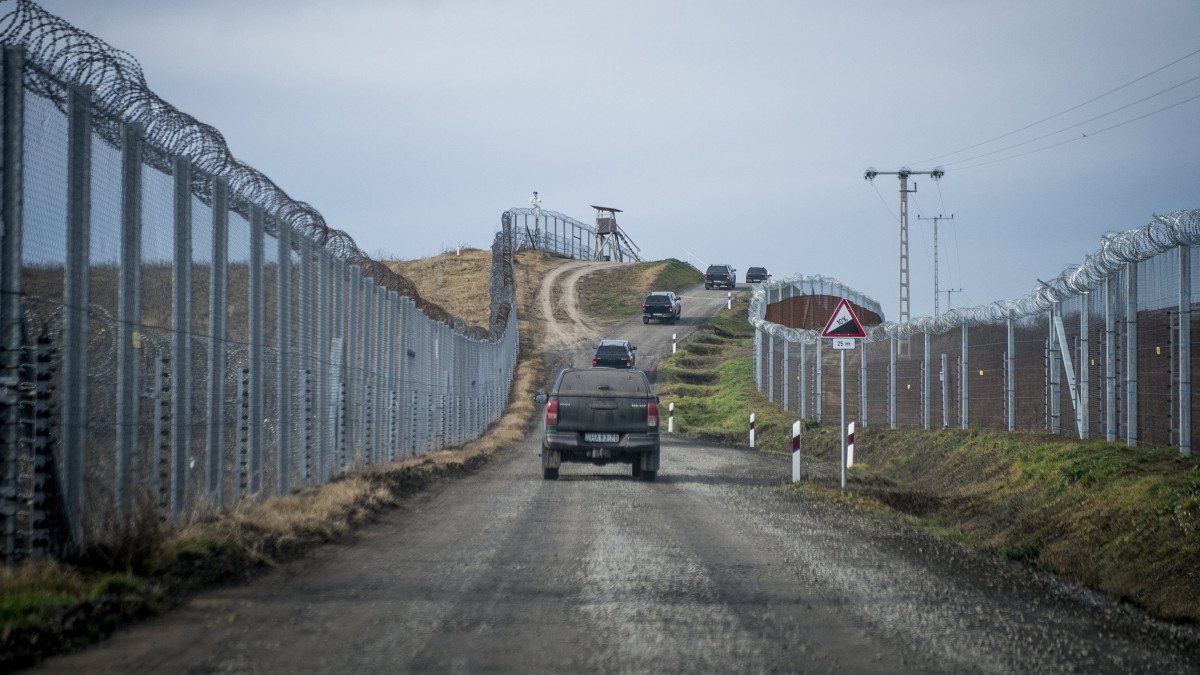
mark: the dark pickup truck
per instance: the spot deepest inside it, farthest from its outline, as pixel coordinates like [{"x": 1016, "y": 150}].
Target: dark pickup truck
[
  {"x": 598, "y": 416},
  {"x": 720, "y": 275},
  {"x": 663, "y": 305}
]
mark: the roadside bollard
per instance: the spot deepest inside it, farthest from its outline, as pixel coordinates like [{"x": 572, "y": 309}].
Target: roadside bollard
[
  {"x": 672, "y": 343},
  {"x": 796, "y": 451},
  {"x": 729, "y": 300},
  {"x": 752, "y": 430},
  {"x": 850, "y": 446},
  {"x": 671, "y": 417}
]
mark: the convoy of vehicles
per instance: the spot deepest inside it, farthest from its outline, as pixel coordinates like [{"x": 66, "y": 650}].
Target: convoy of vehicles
[
  {"x": 600, "y": 416},
  {"x": 609, "y": 413}
]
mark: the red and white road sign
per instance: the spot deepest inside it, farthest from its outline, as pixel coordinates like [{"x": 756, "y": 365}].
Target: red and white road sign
[{"x": 843, "y": 323}]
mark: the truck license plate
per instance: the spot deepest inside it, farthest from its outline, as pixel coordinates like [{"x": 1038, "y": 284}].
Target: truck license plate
[{"x": 601, "y": 438}]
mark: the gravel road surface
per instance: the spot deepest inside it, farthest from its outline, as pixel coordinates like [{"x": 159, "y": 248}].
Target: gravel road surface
[{"x": 715, "y": 567}]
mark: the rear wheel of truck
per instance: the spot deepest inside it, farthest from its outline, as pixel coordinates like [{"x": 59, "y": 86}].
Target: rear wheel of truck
[
  {"x": 645, "y": 319},
  {"x": 549, "y": 474},
  {"x": 649, "y": 476},
  {"x": 637, "y": 468}
]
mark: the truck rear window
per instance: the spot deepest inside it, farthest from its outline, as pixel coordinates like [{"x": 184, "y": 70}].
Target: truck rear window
[{"x": 604, "y": 382}]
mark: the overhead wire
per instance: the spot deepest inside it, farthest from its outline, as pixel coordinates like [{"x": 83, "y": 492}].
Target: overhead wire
[
  {"x": 1077, "y": 138},
  {"x": 1064, "y": 112},
  {"x": 1079, "y": 124}
]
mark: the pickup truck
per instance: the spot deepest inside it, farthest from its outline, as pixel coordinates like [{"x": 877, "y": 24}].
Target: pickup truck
[
  {"x": 720, "y": 275},
  {"x": 662, "y": 305},
  {"x": 600, "y": 416}
]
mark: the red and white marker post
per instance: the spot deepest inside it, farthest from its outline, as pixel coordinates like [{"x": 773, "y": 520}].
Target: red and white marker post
[
  {"x": 671, "y": 417},
  {"x": 672, "y": 343},
  {"x": 796, "y": 451},
  {"x": 850, "y": 446},
  {"x": 729, "y": 300},
  {"x": 752, "y": 430}
]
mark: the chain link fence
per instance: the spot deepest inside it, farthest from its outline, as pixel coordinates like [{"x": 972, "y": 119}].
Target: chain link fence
[
  {"x": 551, "y": 231},
  {"x": 1102, "y": 351},
  {"x": 178, "y": 334}
]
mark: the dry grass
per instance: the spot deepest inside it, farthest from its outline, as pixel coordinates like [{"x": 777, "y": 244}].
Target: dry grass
[{"x": 457, "y": 282}]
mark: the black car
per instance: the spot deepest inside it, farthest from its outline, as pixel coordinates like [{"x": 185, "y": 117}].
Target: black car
[
  {"x": 614, "y": 354},
  {"x": 720, "y": 275},
  {"x": 756, "y": 275},
  {"x": 663, "y": 305}
]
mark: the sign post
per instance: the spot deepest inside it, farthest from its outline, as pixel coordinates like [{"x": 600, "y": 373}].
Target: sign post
[{"x": 843, "y": 329}]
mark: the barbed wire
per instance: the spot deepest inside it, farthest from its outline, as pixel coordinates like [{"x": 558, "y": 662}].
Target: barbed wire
[
  {"x": 69, "y": 55},
  {"x": 1117, "y": 249}
]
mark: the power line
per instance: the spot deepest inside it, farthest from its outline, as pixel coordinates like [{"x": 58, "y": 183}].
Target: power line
[
  {"x": 1060, "y": 114},
  {"x": 1079, "y": 138},
  {"x": 1079, "y": 124}
]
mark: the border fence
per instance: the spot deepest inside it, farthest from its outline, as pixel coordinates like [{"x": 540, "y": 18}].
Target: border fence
[
  {"x": 551, "y": 231},
  {"x": 178, "y": 334},
  {"x": 1102, "y": 351}
]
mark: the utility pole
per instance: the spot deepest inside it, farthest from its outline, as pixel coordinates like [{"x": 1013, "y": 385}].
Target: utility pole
[
  {"x": 904, "y": 173},
  {"x": 948, "y": 292},
  {"x": 935, "y": 259}
]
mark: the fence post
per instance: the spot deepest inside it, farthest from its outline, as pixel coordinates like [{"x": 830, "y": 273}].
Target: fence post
[
  {"x": 1055, "y": 372},
  {"x": 892, "y": 381},
  {"x": 1010, "y": 371},
  {"x": 926, "y": 385},
  {"x": 325, "y": 399},
  {"x": 306, "y": 356},
  {"x": 817, "y": 389},
  {"x": 181, "y": 326},
  {"x": 1110, "y": 358},
  {"x": 218, "y": 301},
  {"x": 1185, "y": 350},
  {"x": 783, "y": 389},
  {"x": 11, "y": 310},
  {"x": 129, "y": 340},
  {"x": 862, "y": 385},
  {"x": 1085, "y": 356},
  {"x": 758, "y": 358},
  {"x": 283, "y": 333},
  {"x": 1131, "y": 346},
  {"x": 802, "y": 378},
  {"x": 75, "y": 299},
  {"x": 945, "y": 377},
  {"x": 964, "y": 379},
  {"x": 771, "y": 367},
  {"x": 256, "y": 382}
]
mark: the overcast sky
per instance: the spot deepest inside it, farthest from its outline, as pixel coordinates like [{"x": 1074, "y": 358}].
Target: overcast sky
[{"x": 736, "y": 131}]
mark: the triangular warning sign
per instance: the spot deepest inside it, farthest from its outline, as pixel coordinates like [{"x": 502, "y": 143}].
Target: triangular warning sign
[{"x": 843, "y": 323}]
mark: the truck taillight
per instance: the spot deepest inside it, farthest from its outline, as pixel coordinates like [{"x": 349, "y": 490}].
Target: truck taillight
[
  {"x": 593, "y": 360},
  {"x": 651, "y": 414},
  {"x": 629, "y": 361},
  {"x": 552, "y": 413},
  {"x": 643, "y": 306}
]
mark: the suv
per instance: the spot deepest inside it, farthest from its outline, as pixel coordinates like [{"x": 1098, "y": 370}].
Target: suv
[
  {"x": 720, "y": 275},
  {"x": 662, "y": 305},
  {"x": 614, "y": 354},
  {"x": 756, "y": 275}
]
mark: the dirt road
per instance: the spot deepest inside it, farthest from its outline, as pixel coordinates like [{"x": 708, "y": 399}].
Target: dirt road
[{"x": 713, "y": 568}]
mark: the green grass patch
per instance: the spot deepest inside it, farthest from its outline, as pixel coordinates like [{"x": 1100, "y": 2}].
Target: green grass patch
[{"x": 615, "y": 292}]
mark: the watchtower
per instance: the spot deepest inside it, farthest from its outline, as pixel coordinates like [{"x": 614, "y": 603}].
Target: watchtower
[{"x": 610, "y": 235}]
